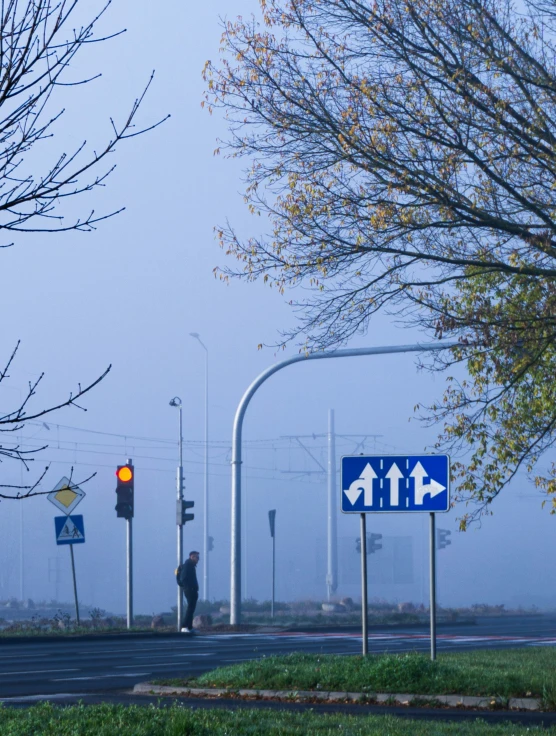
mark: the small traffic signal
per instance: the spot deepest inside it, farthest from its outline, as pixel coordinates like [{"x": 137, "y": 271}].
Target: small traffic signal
[
  {"x": 210, "y": 545},
  {"x": 372, "y": 543},
  {"x": 272, "y": 521},
  {"x": 182, "y": 516},
  {"x": 124, "y": 491},
  {"x": 442, "y": 538}
]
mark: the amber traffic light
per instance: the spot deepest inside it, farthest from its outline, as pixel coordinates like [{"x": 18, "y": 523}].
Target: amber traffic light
[
  {"x": 124, "y": 473},
  {"x": 124, "y": 491}
]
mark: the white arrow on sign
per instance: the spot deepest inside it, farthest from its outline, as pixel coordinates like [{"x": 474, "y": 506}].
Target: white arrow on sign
[
  {"x": 433, "y": 488},
  {"x": 394, "y": 475},
  {"x": 362, "y": 484}
]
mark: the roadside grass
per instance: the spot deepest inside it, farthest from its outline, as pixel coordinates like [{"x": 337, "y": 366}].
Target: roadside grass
[
  {"x": 504, "y": 673},
  {"x": 107, "y": 720}
]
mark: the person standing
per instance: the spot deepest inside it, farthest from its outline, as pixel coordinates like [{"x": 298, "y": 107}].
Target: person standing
[{"x": 188, "y": 582}]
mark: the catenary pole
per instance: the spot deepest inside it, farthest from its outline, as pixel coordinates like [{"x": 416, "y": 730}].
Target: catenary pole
[{"x": 235, "y": 551}]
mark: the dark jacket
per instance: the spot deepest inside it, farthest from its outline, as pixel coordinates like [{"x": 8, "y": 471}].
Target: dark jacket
[{"x": 190, "y": 576}]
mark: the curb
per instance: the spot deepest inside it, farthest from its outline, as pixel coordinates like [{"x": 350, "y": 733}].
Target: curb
[{"x": 466, "y": 701}]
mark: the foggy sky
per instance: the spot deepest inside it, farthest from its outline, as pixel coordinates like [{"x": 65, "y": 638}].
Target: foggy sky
[{"x": 129, "y": 294}]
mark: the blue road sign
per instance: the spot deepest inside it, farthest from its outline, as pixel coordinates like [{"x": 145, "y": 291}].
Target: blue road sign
[
  {"x": 69, "y": 529},
  {"x": 395, "y": 483}
]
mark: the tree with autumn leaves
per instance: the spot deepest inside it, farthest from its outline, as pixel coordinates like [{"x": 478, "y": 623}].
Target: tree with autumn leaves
[{"x": 404, "y": 153}]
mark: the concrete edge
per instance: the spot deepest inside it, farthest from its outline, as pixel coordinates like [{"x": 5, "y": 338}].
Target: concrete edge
[{"x": 465, "y": 701}]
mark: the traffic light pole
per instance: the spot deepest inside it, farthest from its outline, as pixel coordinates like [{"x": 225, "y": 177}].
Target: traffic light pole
[
  {"x": 432, "y": 543},
  {"x": 364, "y": 595},
  {"x": 129, "y": 570}
]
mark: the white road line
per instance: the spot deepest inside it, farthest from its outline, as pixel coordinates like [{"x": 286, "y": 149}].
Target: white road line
[
  {"x": 151, "y": 664},
  {"x": 50, "y": 696},
  {"x": 38, "y": 672},
  {"x": 542, "y": 643},
  {"x": 185, "y": 654},
  {"x": 102, "y": 677}
]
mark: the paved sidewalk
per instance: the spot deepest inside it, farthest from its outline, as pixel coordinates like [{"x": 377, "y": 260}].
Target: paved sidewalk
[{"x": 462, "y": 701}]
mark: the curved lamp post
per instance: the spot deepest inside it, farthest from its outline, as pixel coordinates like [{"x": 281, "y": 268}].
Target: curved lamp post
[{"x": 235, "y": 561}]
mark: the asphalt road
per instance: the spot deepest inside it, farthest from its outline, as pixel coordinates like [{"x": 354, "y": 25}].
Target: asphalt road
[{"x": 80, "y": 667}]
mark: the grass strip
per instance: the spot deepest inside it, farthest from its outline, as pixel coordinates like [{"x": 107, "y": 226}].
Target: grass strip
[
  {"x": 504, "y": 673},
  {"x": 107, "y": 720}
]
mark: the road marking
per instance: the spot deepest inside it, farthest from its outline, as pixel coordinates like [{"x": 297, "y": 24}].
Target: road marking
[
  {"x": 5, "y": 655},
  {"x": 186, "y": 654},
  {"x": 102, "y": 677},
  {"x": 38, "y": 672},
  {"x": 151, "y": 664},
  {"x": 50, "y": 696}
]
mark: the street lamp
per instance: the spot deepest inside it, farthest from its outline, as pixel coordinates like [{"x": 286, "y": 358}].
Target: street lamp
[
  {"x": 197, "y": 337},
  {"x": 176, "y": 402}
]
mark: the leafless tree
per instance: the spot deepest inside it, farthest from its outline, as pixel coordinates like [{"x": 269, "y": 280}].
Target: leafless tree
[{"x": 39, "y": 41}]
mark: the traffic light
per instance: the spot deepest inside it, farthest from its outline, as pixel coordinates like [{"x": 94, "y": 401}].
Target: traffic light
[
  {"x": 124, "y": 491},
  {"x": 442, "y": 538},
  {"x": 272, "y": 521},
  {"x": 182, "y": 515},
  {"x": 372, "y": 543},
  {"x": 210, "y": 545}
]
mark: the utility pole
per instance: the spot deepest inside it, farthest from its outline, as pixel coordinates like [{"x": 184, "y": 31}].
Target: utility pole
[
  {"x": 330, "y": 472},
  {"x": 332, "y": 526}
]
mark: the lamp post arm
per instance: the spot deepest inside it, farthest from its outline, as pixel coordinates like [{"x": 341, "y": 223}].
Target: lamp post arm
[{"x": 235, "y": 552}]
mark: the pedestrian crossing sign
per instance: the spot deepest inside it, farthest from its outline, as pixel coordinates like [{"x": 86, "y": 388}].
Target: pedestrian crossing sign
[{"x": 69, "y": 529}]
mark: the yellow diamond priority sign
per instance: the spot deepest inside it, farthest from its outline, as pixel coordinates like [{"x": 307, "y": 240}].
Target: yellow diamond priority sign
[{"x": 66, "y": 495}]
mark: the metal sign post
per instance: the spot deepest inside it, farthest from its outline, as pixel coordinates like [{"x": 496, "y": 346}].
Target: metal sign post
[
  {"x": 74, "y": 585},
  {"x": 397, "y": 484},
  {"x": 272, "y": 521},
  {"x": 432, "y": 543},
  {"x": 364, "y": 601}
]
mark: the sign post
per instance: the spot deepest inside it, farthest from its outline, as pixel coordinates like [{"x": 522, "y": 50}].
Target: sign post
[
  {"x": 364, "y": 597},
  {"x": 272, "y": 522},
  {"x": 432, "y": 575},
  {"x": 69, "y": 529},
  {"x": 396, "y": 484}
]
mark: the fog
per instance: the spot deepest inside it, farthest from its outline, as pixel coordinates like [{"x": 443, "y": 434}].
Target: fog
[{"x": 129, "y": 294}]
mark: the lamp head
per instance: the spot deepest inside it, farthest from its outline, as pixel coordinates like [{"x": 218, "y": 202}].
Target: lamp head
[
  {"x": 176, "y": 401},
  {"x": 195, "y": 335}
]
